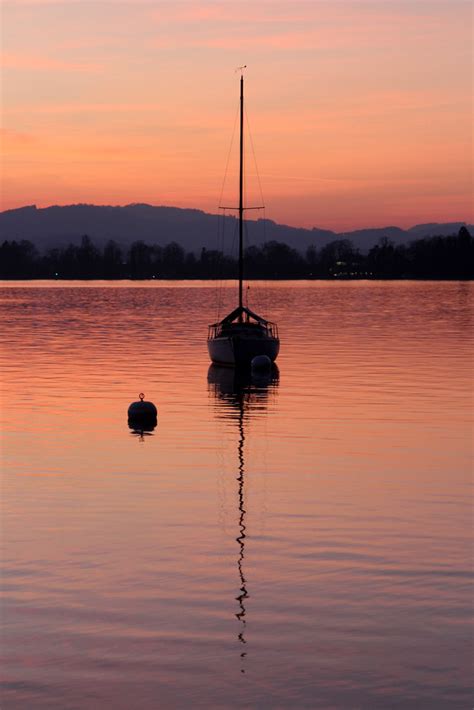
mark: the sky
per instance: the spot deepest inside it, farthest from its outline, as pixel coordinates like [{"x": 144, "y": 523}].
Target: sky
[{"x": 360, "y": 112}]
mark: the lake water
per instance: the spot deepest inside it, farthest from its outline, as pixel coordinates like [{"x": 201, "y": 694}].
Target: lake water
[{"x": 297, "y": 541}]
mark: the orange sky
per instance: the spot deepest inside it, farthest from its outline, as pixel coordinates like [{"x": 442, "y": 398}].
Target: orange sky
[{"x": 361, "y": 112}]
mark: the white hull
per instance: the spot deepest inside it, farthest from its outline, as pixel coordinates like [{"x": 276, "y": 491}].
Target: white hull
[
  {"x": 221, "y": 351},
  {"x": 240, "y": 351}
]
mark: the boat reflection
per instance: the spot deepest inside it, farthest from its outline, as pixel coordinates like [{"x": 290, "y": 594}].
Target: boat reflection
[{"x": 241, "y": 393}]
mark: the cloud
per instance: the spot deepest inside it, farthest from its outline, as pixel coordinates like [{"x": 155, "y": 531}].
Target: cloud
[
  {"x": 262, "y": 12},
  {"x": 40, "y": 3},
  {"x": 282, "y": 41},
  {"x": 30, "y": 62},
  {"x": 166, "y": 120},
  {"x": 301, "y": 28},
  {"x": 11, "y": 138},
  {"x": 68, "y": 108},
  {"x": 296, "y": 40},
  {"x": 323, "y": 14}
]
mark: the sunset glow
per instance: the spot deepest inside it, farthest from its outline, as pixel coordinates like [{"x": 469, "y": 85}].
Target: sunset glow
[{"x": 361, "y": 112}]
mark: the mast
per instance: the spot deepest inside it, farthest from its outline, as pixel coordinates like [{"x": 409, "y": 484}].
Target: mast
[{"x": 241, "y": 197}]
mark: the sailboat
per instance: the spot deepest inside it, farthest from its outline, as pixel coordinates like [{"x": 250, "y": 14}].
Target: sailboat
[{"x": 242, "y": 334}]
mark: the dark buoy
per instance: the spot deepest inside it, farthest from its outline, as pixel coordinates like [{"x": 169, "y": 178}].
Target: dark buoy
[
  {"x": 261, "y": 362},
  {"x": 142, "y": 415}
]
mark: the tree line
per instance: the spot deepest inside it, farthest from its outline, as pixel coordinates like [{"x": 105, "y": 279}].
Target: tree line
[{"x": 437, "y": 257}]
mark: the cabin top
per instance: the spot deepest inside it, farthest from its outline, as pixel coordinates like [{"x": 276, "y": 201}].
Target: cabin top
[{"x": 242, "y": 311}]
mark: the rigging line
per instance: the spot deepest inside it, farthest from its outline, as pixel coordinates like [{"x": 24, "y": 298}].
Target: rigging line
[
  {"x": 229, "y": 153},
  {"x": 265, "y": 281},
  {"x": 255, "y": 287},
  {"x": 220, "y": 284},
  {"x": 222, "y": 258},
  {"x": 249, "y": 132},
  {"x": 254, "y": 156},
  {"x": 216, "y": 285},
  {"x": 217, "y": 275},
  {"x": 219, "y": 272},
  {"x": 232, "y": 249},
  {"x": 221, "y": 263},
  {"x": 247, "y": 244}
]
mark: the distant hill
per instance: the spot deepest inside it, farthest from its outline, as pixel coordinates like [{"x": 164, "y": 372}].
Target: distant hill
[{"x": 193, "y": 229}]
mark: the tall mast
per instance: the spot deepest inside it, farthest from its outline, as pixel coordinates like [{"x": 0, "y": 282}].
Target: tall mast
[{"x": 241, "y": 197}]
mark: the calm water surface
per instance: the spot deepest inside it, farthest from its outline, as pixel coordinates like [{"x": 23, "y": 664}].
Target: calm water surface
[{"x": 295, "y": 541}]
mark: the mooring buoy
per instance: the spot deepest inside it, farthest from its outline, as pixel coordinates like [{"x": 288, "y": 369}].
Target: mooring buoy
[
  {"x": 261, "y": 362},
  {"x": 142, "y": 412}
]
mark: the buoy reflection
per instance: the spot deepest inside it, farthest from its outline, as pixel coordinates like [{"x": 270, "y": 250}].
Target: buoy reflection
[{"x": 141, "y": 429}]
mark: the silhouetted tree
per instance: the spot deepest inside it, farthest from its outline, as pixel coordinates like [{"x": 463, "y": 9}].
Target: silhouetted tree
[
  {"x": 281, "y": 261},
  {"x": 140, "y": 261},
  {"x": 335, "y": 257},
  {"x": 112, "y": 261},
  {"x": 18, "y": 260},
  {"x": 191, "y": 266},
  {"x": 312, "y": 259},
  {"x": 173, "y": 260},
  {"x": 436, "y": 257},
  {"x": 385, "y": 260},
  {"x": 89, "y": 259}
]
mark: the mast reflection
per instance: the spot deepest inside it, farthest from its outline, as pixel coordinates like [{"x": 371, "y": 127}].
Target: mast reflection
[{"x": 240, "y": 394}]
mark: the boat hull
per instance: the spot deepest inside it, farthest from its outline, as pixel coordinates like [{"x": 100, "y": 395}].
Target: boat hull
[{"x": 232, "y": 350}]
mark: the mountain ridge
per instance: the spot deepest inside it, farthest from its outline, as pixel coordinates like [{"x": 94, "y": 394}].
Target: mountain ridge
[{"x": 192, "y": 228}]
